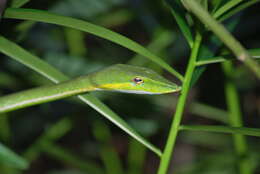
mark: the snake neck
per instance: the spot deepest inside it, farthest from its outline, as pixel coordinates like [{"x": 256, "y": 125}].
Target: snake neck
[{"x": 47, "y": 93}]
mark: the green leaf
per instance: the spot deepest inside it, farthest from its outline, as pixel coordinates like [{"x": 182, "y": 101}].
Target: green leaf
[
  {"x": 254, "y": 53},
  {"x": 222, "y": 129},
  {"x": 229, "y": 5},
  {"x": 179, "y": 15},
  {"x": 237, "y": 9},
  {"x": 42, "y": 16},
  {"x": 10, "y": 158},
  {"x": 19, "y": 54},
  {"x": 114, "y": 118},
  {"x": 216, "y": 4}
]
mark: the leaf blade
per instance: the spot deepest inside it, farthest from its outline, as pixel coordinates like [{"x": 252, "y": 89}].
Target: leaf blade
[
  {"x": 179, "y": 16},
  {"x": 226, "y": 7},
  {"x": 42, "y": 16},
  {"x": 222, "y": 129}
]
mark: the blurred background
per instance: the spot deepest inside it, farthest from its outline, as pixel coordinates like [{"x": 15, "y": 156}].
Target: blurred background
[{"x": 69, "y": 137}]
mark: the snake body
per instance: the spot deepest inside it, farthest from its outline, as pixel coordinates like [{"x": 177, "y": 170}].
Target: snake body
[{"x": 119, "y": 77}]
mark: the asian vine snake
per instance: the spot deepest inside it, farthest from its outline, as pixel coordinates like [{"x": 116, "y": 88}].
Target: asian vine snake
[{"x": 119, "y": 77}]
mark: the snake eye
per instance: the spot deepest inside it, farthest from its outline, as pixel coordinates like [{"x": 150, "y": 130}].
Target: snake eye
[{"x": 138, "y": 80}]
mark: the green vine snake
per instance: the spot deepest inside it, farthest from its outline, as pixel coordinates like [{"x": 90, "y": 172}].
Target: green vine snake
[{"x": 119, "y": 77}]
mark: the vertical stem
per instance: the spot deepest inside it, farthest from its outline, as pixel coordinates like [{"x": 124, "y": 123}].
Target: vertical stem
[
  {"x": 235, "y": 118},
  {"x": 166, "y": 157}
]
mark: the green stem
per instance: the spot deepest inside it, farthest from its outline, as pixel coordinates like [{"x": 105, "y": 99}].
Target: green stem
[
  {"x": 235, "y": 118},
  {"x": 223, "y": 34},
  {"x": 210, "y": 61},
  {"x": 166, "y": 157}
]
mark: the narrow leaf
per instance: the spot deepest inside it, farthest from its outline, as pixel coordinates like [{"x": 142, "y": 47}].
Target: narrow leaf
[
  {"x": 222, "y": 10},
  {"x": 254, "y": 53},
  {"x": 237, "y": 9},
  {"x": 43, "y": 16},
  {"x": 216, "y": 5},
  {"x": 179, "y": 15},
  {"x": 222, "y": 129}
]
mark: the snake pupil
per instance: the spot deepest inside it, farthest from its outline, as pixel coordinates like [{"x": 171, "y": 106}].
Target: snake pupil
[{"x": 138, "y": 80}]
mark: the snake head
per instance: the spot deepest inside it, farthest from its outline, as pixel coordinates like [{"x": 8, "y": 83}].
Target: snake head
[{"x": 132, "y": 79}]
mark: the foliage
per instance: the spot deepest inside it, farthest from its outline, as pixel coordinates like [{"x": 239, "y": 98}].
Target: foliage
[{"x": 219, "y": 87}]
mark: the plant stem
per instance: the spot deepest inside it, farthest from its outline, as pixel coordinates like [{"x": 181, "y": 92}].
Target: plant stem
[
  {"x": 211, "y": 61},
  {"x": 166, "y": 157},
  {"x": 223, "y": 34},
  {"x": 235, "y": 118}
]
